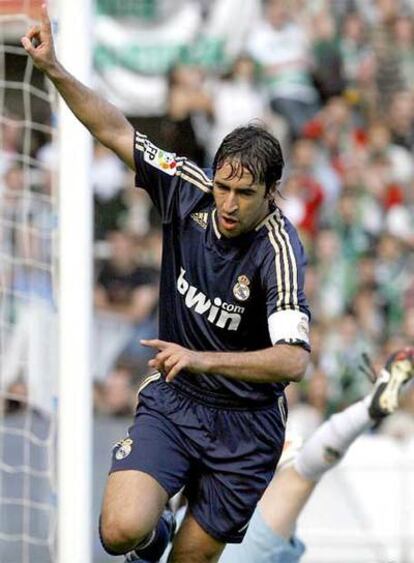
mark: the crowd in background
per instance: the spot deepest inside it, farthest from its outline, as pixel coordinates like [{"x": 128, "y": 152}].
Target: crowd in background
[{"x": 334, "y": 81}]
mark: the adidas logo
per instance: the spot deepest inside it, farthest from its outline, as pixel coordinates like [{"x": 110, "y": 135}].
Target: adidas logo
[{"x": 201, "y": 218}]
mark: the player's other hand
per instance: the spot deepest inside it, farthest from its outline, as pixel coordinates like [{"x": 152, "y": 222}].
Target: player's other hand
[
  {"x": 38, "y": 43},
  {"x": 172, "y": 358}
]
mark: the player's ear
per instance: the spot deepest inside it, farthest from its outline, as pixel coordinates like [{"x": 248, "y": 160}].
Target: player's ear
[
  {"x": 274, "y": 191},
  {"x": 271, "y": 192}
]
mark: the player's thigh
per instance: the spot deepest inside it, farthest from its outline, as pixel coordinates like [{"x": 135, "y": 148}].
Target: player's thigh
[
  {"x": 155, "y": 444},
  {"x": 192, "y": 544},
  {"x": 224, "y": 493},
  {"x": 132, "y": 505}
]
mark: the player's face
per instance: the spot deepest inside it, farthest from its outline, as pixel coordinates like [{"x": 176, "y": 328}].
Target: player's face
[{"x": 240, "y": 203}]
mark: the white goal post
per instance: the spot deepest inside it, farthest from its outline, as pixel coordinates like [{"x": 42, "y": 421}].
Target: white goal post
[{"x": 75, "y": 39}]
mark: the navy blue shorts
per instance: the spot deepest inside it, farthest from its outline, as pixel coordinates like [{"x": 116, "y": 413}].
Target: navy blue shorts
[{"x": 224, "y": 457}]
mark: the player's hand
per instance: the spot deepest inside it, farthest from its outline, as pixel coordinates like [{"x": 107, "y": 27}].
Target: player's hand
[
  {"x": 172, "y": 358},
  {"x": 38, "y": 43}
]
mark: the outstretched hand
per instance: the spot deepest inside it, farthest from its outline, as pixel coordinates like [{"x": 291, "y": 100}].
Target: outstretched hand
[
  {"x": 38, "y": 43},
  {"x": 172, "y": 358}
]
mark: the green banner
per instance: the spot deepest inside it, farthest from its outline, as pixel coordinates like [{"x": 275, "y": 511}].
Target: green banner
[
  {"x": 147, "y": 10},
  {"x": 159, "y": 59}
]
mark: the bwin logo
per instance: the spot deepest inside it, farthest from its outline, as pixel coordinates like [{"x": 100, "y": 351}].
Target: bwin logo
[{"x": 219, "y": 313}]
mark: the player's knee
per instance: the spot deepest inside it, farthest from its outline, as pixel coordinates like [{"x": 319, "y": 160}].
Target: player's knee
[{"x": 119, "y": 535}]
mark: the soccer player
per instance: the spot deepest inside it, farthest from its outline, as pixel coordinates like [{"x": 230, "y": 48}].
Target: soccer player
[
  {"x": 233, "y": 332},
  {"x": 271, "y": 535}
]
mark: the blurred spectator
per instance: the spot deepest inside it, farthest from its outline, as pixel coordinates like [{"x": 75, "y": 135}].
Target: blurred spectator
[
  {"x": 368, "y": 311},
  {"x": 398, "y": 157},
  {"x": 403, "y": 38},
  {"x": 392, "y": 273},
  {"x": 317, "y": 394},
  {"x": 125, "y": 298},
  {"x": 47, "y": 156},
  {"x": 328, "y": 72},
  {"x": 341, "y": 139},
  {"x": 307, "y": 405},
  {"x": 116, "y": 395},
  {"x": 347, "y": 222},
  {"x": 333, "y": 275},
  {"x": 302, "y": 203},
  {"x": 282, "y": 48},
  {"x": 388, "y": 74},
  {"x": 309, "y": 162},
  {"x": 401, "y": 119},
  {"x": 16, "y": 397},
  {"x": 365, "y": 274},
  {"x": 308, "y": 159},
  {"x": 108, "y": 179},
  {"x": 408, "y": 325},
  {"x": 11, "y": 138},
  {"x": 365, "y": 190},
  {"x": 356, "y": 53},
  {"x": 30, "y": 324},
  {"x": 138, "y": 218},
  {"x": 343, "y": 346},
  {"x": 236, "y": 100},
  {"x": 380, "y": 189},
  {"x": 183, "y": 130},
  {"x": 11, "y": 208},
  {"x": 400, "y": 217}
]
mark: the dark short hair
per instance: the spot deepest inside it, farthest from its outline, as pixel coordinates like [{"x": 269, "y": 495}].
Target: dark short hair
[{"x": 255, "y": 149}]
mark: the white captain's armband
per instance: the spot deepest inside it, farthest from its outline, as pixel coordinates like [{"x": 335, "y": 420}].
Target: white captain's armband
[
  {"x": 163, "y": 160},
  {"x": 289, "y": 326}
]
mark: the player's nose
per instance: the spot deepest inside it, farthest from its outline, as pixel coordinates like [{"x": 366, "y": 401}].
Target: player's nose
[{"x": 230, "y": 203}]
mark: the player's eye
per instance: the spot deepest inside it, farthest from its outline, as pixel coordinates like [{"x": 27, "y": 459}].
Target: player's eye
[{"x": 222, "y": 187}]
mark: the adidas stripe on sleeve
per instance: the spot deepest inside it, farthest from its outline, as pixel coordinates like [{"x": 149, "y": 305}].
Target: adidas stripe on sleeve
[{"x": 287, "y": 309}]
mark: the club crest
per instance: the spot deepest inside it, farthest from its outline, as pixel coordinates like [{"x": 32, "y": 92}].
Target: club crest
[
  {"x": 123, "y": 448},
  {"x": 241, "y": 290}
]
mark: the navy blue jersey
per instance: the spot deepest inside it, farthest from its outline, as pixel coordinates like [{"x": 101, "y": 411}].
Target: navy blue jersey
[{"x": 221, "y": 294}]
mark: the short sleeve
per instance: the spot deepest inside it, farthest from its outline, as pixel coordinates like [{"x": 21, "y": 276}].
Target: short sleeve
[{"x": 283, "y": 281}]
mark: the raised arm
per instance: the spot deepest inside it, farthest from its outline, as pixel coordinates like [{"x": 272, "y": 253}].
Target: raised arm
[{"x": 105, "y": 122}]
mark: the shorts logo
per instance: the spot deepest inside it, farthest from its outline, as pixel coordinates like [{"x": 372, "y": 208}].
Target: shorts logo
[
  {"x": 160, "y": 159},
  {"x": 241, "y": 290},
  {"x": 123, "y": 448}
]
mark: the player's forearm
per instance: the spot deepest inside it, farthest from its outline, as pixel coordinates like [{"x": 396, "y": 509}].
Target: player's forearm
[
  {"x": 279, "y": 363},
  {"x": 105, "y": 122}
]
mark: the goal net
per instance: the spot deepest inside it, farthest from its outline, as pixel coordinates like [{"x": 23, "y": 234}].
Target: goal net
[{"x": 28, "y": 314}]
